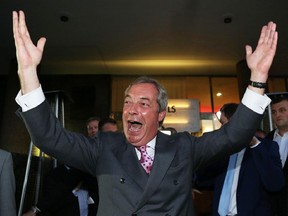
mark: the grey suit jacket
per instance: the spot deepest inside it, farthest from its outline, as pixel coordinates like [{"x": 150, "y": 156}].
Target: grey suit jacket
[
  {"x": 7, "y": 185},
  {"x": 124, "y": 187}
]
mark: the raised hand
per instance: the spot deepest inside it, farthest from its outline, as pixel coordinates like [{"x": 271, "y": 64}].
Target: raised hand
[
  {"x": 261, "y": 59},
  {"x": 28, "y": 55}
]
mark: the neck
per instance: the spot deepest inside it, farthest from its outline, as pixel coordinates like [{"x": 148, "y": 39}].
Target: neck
[{"x": 282, "y": 131}]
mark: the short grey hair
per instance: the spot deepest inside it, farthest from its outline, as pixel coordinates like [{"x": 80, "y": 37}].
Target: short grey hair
[{"x": 162, "y": 98}]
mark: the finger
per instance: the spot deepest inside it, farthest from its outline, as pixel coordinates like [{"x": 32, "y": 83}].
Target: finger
[
  {"x": 248, "y": 50},
  {"x": 23, "y": 31},
  {"x": 271, "y": 29},
  {"x": 274, "y": 41},
  {"x": 41, "y": 43},
  {"x": 262, "y": 34},
  {"x": 17, "y": 38},
  {"x": 268, "y": 36},
  {"x": 15, "y": 23},
  {"x": 22, "y": 24},
  {"x": 274, "y": 26},
  {"x": 273, "y": 35}
]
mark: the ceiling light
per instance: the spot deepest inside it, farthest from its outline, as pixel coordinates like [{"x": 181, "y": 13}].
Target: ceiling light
[
  {"x": 64, "y": 18},
  {"x": 227, "y": 18}
]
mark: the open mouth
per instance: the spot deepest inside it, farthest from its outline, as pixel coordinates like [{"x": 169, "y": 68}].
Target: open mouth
[{"x": 134, "y": 125}]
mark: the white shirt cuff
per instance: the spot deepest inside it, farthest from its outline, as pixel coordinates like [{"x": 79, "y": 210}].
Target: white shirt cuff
[
  {"x": 31, "y": 99},
  {"x": 255, "y": 101}
]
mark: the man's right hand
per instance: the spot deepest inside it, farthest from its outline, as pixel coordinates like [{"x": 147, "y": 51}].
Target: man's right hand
[{"x": 28, "y": 55}]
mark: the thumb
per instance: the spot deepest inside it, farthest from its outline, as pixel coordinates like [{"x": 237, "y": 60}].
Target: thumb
[
  {"x": 248, "y": 50},
  {"x": 41, "y": 43}
]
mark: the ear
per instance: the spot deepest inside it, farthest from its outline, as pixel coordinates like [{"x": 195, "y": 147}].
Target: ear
[{"x": 161, "y": 116}]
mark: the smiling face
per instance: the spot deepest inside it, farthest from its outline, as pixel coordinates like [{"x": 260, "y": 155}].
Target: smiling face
[{"x": 141, "y": 114}]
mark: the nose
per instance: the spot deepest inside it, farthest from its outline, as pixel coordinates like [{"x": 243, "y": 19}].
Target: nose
[{"x": 133, "y": 109}]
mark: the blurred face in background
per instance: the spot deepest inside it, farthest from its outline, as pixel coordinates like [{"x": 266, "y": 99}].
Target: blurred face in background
[
  {"x": 280, "y": 115},
  {"x": 223, "y": 119},
  {"x": 92, "y": 128},
  {"x": 110, "y": 127}
]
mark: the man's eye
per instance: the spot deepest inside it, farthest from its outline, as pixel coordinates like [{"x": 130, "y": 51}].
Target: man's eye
[{"x": 145, "y": 104}]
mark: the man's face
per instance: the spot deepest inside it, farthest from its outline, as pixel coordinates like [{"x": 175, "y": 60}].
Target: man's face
[
  {"x": 141, "y": 114},
  {"x": 280, "y": 115},
  {"x": 92, "y": 128}
]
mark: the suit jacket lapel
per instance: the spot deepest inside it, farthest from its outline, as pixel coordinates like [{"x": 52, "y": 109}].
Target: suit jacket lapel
[
  {"x": 127, "y": 157},
  {"x": 165, "y": 150}
]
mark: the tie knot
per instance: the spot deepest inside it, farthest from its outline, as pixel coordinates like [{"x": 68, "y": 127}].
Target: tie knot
[{"x": 142, "y": 148}]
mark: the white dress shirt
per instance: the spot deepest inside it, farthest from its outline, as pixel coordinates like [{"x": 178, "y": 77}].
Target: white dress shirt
[{"x": 150, "y": 149}]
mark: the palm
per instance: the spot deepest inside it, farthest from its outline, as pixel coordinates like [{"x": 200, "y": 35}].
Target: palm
[
  {"x": 28, "y": 54},
  {"x": 261, "y": 59}
]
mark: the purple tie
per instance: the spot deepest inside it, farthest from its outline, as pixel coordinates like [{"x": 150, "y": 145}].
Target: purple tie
[{"x": 145, "y": 160}]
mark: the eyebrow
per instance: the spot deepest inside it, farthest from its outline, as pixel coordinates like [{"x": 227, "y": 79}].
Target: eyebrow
[
  {"x": 145, "y": 98},
  {"x": 141, "y": 98}
]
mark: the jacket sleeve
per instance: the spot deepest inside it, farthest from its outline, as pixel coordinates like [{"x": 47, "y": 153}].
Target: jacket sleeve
[{"x": 48, "y": 134}]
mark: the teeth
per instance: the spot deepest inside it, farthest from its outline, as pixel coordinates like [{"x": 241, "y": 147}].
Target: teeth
[
  {"x": 135, "y": 126},
  {"x": 134, "y": 122}
]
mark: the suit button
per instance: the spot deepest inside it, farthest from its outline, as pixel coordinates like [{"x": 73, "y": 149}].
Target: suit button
[
  {"x": 122, "y": 180},
  {"x": 176, "y": 182}
]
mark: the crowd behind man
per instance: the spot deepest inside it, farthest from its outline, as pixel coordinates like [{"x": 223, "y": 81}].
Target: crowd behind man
[{"x": 246, "y": 172}]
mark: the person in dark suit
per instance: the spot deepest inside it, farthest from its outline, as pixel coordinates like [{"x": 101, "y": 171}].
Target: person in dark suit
[
  {"x": 124, "y": 186},
  {"x": 62, "y": 186},
  {"x": 257, "y": 172},
  {"x": 279, "y": 109},
  {"x": 7, "y": 185},
  {"x": 58, "y": 195}
]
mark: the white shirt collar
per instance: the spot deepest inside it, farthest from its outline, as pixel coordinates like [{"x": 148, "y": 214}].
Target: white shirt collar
[{"x": 150, "y": 149}]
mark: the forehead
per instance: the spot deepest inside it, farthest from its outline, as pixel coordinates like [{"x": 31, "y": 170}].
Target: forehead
[
  {"x": 283, "y": 103},
  {"x": 143, "y": 90},
  {"x": 109, "y": 125},
  {"x": 94, "y": 122}
]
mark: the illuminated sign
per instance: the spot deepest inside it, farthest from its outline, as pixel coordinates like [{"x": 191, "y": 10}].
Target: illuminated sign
[{"x": 183, "y": 115}]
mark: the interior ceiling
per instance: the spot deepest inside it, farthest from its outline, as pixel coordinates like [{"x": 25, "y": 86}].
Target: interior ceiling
[{"x": 124, "y": 37}]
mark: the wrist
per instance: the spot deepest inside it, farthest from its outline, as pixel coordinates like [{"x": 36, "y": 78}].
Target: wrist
[
  {"x": 260, "y": 91},
  {"x": 261, "y": 85},
  {"x": 257, "y": 86},
  {"x": 258, "y": 76}
]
